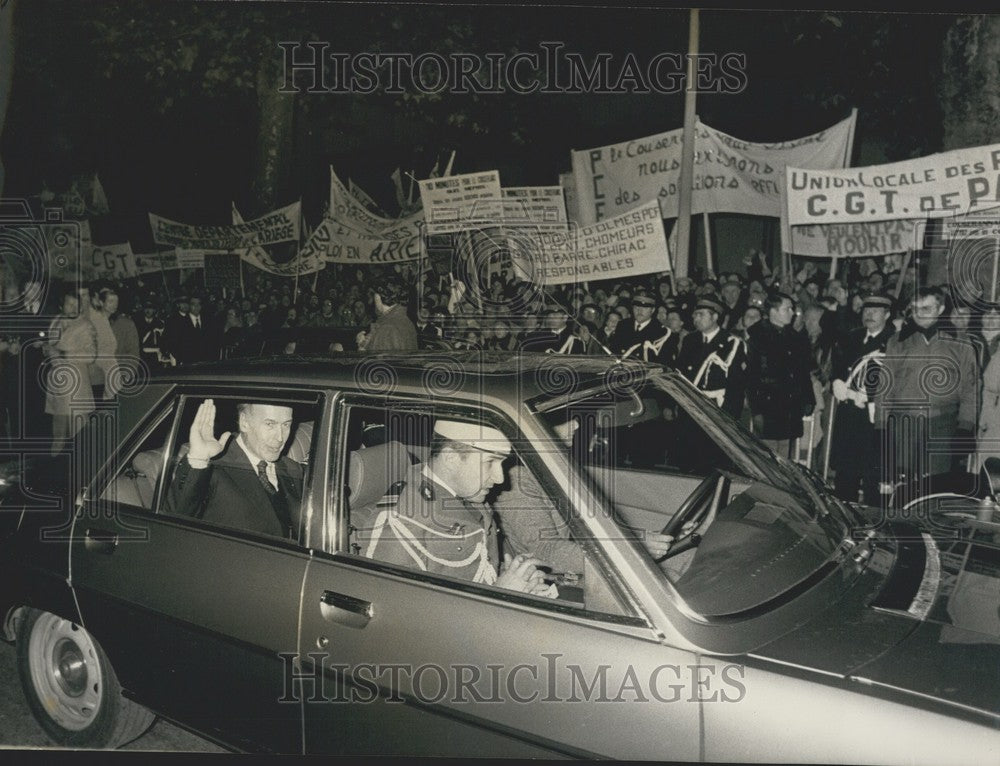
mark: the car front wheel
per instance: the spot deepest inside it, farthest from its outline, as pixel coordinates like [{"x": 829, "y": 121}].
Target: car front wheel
[{"x": 71, "y": 687}]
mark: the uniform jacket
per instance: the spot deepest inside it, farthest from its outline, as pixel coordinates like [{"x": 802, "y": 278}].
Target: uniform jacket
[
  {"x": 430, "y": 529},
  {"x": 779, "y": 388},
  {"x": 628, "y": 340},
  {"x": 393, "y": 331},
  {"x": 545, "y": 340},
  {"x": 853, "y": 345},
  {"x": 693, "y": 353},
  {"x": 229, "y": 492},
  {"x": 938, "y": 376}
]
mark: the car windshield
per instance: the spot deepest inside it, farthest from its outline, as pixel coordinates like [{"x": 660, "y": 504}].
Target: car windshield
[{"x": 665, "y": 459}]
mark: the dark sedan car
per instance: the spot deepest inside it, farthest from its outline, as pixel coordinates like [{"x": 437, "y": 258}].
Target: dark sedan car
[{"x": 781, "y": 625}]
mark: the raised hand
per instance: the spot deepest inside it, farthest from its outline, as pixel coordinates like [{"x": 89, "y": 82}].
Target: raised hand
[{"x": 204, "y": 445}]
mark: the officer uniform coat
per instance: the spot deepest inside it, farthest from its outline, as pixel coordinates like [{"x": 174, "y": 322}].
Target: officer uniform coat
[
  {"x": 779, "y": 362},
  {"x": 693, "y": 353},
  {"x": 430, "y": 529},
  {"x": 628, "y": 339},
  {"x": 855, "y": 446}
]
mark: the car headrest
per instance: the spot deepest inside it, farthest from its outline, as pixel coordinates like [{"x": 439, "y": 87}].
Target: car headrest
[
  {"x": 150, "y": 462},
  {"x": 298, "y": 449},
  {"x": 373, "y": 470}
]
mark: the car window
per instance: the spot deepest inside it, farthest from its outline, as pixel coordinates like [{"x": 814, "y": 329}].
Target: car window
[
  {"x": 400, "y": 507},
  {"x": 236, "y": 461},
  {"x": 137, "y": 473}
]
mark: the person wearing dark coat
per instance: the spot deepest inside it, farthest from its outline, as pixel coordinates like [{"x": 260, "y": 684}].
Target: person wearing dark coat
[
  {"x": 714, "y": 359},
  {"x": 855, "y": 451},
  {"x": 779, "y": 364},
  {"x": 642, "y": 337},
  {"x": 246, "y": 483},
  {"x": 392, "y": 330}
]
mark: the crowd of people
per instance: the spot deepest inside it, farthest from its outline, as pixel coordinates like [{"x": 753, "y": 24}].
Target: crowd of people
[{"x": 769, "y": 349}]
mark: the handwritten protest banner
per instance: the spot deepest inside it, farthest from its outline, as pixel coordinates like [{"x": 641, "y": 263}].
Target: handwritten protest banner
[
  {"x": 346, "y": 208},
  {"x": 460, "y": 203},
  {"x": 147, "y": 263},
  {"x": 113, "y": 261},
  {"x": 280, "y": 226},
  {"x": 935, "y": 186},
  {"x": 731, "y": 175},
  {"x": 624, "y": 246},
  {"x": 337, "y": 242}
]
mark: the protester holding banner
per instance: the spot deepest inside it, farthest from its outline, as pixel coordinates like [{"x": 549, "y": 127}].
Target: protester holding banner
[
  {"x": 988, "y": 437},
  {"x": 779, "y": 365},
  {"x": 855, "y": 452}
]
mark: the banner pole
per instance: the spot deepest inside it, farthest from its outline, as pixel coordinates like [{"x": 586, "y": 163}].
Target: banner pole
[
  {"x": 687, "y": 151},
  {"x": 828, "y": 443},
  {"x": 833, "y": 267},
  {"x": 709, "y": 254},
  {"x": 996, "y": 268},
  {"x": 902, "y": 273}
]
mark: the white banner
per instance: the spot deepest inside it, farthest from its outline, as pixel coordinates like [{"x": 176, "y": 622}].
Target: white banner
[
  {"x": 853, "y": 240},
  {"x": 625, "y": 246},
  {"x": 194, "y": 258},
  {"x": 344, "y": 207},
  {"x": 112, "y": 261},
  {"x": 147, "y": 263},
  {"x": 460, "y": 203},
  {"x": 280, "y": 226},
  {"x": 337, "y": 242},
  {"x": 939, "y": 185},
  {"x": 540, "y": 207},
  {"x": 730, "y": 175}
]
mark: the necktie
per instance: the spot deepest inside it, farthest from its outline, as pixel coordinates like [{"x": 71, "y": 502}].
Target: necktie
[
  {"x": 197, "y": 322},
  {"x": 264, "y": 481}
]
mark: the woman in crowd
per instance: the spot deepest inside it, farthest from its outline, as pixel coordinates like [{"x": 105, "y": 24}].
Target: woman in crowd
[{"x": 70, "y": 350}]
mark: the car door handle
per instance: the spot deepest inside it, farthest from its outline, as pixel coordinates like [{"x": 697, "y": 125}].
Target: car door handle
[
  {"x": 100, "y": 540},
  {"x": 347, "y": 610}
]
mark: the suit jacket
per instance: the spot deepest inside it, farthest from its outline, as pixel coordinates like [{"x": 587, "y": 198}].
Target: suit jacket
[
  {"x": 628, "y": 339},
  {"x": 229, "y": 492},
  {"x": 187, "y": 343},
  {"x": 693, "y": 353}
]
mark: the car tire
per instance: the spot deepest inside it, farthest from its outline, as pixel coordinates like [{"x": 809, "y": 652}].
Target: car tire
[{"x": 71, "y": 687}]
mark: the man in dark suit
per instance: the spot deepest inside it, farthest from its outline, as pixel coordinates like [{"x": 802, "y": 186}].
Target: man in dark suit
[
  {"x": 713, "y": 358},
  {"x": 855, "y": 451},
  {"x": 643, "y": 337},
  {"x": 243, "y": 482},
  {"x": 187, "y": 336}
]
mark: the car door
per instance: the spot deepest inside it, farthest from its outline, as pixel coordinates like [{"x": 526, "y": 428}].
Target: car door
[
  {"x": 396, "y": 661},
  {"x": 193, "y": 616}
]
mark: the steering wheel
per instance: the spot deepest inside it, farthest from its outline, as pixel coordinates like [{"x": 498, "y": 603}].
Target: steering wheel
[{"x": 696, "y": 508}]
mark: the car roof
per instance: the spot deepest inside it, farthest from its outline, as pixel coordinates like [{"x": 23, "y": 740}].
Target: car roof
[{"x": 525, "y": 376}]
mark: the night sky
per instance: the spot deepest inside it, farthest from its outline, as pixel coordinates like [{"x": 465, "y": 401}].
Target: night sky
[{"x": 89, "y": 95}]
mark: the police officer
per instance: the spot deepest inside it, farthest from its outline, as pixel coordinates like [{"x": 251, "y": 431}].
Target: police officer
[
  {"x": 643, "y": 337},
  {"x": 440, "y": 523},
  {"x": 713, "y": 358},
  {"x": 854, "y": 448}
]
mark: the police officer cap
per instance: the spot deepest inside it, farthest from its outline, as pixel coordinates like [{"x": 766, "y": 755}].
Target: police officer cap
[
  {"x": 710, "y": 303},
  {"x": 475, "y": 435},
  {"x": 878, "y": 302}
]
